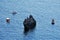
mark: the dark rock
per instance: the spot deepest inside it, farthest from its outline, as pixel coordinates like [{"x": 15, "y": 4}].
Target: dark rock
[
  {"x": 29, "y": 23},
  {"x": 14, "y": 13}
]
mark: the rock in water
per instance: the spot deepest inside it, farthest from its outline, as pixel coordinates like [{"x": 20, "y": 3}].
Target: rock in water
[
  {"x": 29, "y": 23},
  {"x": 14, "y": 13}
]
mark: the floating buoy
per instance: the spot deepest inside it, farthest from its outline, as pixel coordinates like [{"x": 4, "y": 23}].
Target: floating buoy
[
  {"x": 8, "y": 20},
  {"x": 53, "y": 22}
]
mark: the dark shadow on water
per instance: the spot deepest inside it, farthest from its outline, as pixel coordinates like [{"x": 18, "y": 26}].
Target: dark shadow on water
[
  {"x": 31, "y": 30},
  {"x": 30, "y": 35}
]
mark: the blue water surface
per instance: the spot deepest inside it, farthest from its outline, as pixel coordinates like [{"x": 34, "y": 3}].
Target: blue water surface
[{"x": 42, "y": 10}]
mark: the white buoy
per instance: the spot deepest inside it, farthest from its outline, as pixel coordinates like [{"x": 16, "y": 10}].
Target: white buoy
[{"x": 8, "y": 20}]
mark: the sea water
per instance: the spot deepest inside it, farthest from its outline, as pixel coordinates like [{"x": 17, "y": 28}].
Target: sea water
[{"x": 42, "y": 10}]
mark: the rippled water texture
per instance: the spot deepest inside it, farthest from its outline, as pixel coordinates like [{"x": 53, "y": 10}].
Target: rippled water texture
[{"x": 42, "y": 10}]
